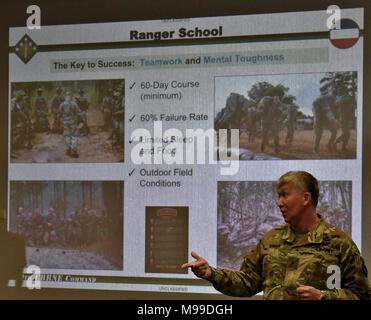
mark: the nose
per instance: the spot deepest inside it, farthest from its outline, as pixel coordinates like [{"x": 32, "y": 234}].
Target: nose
[{"x": 280, "y": 202}]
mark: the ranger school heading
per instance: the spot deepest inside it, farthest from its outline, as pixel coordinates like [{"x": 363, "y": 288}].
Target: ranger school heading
[{"x": 182, "y": 33}]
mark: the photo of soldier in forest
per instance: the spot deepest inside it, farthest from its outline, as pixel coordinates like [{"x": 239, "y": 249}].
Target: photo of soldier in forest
[
  {"x": 248, "y": 209},
  {"x": 67, "y": 121},
  {"x": 290, "y": 116},
  {"x": 69, "y": 224}
]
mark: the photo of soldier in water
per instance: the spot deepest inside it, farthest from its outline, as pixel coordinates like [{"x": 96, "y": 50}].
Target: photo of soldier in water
[
  {"x": 290, "y": 116},
  {"x": 67, "y": 121},
  {"x": 69, "y": 224}
]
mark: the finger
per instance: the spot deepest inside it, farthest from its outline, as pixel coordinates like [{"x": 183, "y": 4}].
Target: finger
[
  {"x": 299, "y": 284},
  {"x": 194, "y": 264},
  {"x": 301, "y": 290},
  {"x": 302, "y": 296},
  {"x": 189, "y": 264},
  {"x": 195, "y": 255},
  {"x": 186, "y": 265}
]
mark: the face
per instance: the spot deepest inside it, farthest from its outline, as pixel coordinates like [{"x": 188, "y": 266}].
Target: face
[{"x": 292, "y": 202}]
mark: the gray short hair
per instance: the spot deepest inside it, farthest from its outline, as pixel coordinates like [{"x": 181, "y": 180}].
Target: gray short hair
[{"x": 302, "y": 180}]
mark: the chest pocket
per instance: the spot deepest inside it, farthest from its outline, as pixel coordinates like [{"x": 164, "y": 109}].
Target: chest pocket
[
  {"x": 313, "y": 264},
  {"x": 305, "y": 264}
]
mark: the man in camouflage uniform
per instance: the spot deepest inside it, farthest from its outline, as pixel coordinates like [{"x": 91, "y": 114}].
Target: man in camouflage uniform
[
  {"x": 70, "y": 115},
  {"x": 346, "y": 106},
  {"x": 252, "y": 123},
  {"x": 50, "y": 236},
  {"x": 271, "y": 118},
  {"x": 29, "y": 125},
  {"x": 57, "y": 100},
  {"x": 40, "y": 112},
  {"x": 84, "y": 221},
  {"x": 19, "y": 120},
  {"x": 289, "y": 122},
  {"x": 37, "y": 228},
  {"x": 107, "y": 109},
  {"x": 324, "y": 118},
  {"x": 291, "y": 261},
  {"x": 118, "y": 118},
  {"x": 20, "y": 222},
  {"x": 83, "y": 103},
  {"x": 73, "y": 230},
  {"x": 60, "y": 229},
  {"x": 233, "y": 116}
]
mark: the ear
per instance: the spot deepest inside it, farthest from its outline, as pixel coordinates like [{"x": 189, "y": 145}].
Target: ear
[{"x": 307, "y": 198}]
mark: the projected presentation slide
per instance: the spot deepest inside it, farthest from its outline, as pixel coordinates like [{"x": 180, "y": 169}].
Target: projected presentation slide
[{"x": 132, "y": 144}]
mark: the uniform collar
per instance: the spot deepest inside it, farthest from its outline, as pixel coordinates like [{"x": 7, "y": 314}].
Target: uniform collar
[{"x": 314, "y": 236}]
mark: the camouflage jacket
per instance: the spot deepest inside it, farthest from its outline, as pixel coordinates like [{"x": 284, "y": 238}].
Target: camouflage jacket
[{"x": 279, "y": 261}]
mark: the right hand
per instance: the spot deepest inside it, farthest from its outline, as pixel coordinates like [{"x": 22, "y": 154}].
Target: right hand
[{"x": 200, "y": 267}]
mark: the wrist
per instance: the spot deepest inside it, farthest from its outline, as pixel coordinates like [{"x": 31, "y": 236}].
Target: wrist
[{"x": 323, "y": 295}]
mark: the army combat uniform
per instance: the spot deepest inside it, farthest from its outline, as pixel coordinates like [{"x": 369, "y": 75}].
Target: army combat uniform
[
  {"x": 40, "y": 111},
  {"x": 19, "y": 120},
  {"x": 283, "y": 258},
  {"x": 70, "y": 115},
  {"x": 83, "y": 104},
  {"x": 271, "y": 118},
  {"x": 324, "y": 118},
  {"x": 118, "y": 118},
  {"x": 289, "y": 123},
  {"x": 346, "y": 117},
  {"x": 55, "y": 104},
  {"x": 107, "y": 108}
]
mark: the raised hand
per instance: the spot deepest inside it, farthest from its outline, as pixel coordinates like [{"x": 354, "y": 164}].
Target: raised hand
[{"x": 200, "y": 267}]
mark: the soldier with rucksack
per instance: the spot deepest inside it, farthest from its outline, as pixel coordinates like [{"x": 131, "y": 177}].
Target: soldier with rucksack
[
  {"x": 289, "y": 122},
  {"x": 324, "y": 118},
  {"x": 107, "y": 108},
  {"x": 19, "y": 120},
  {"x": 70, "y": 115},
  {"x": 57, "y": 99},
  {"x": 118, "y": 118},
  {"x": 346, "y": 106},
  {"x": 271, "y": 117},
  {"x": 83, "y": 103},
  {"x": 40, "y": 109}
]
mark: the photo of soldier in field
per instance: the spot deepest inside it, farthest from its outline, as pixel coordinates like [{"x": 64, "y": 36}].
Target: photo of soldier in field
[
  {"x": 67, "y": 121},
  {"x": 290, "y": 116},
  {"x": 69, "y": 224}
]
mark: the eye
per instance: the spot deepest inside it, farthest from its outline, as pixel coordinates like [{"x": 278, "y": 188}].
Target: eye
[{"x": 284, "y": 194}]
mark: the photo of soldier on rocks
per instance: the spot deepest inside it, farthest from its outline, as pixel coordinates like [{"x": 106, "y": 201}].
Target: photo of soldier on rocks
[
  {"x": 69, "y": 224},
  {"x": 67, "y": 121},
  {"x": 289, "y": 116},
  {"x": 248, "y": 209}
]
